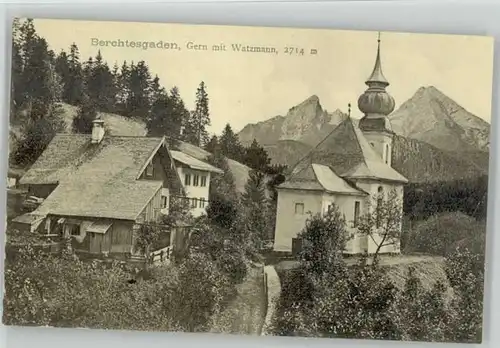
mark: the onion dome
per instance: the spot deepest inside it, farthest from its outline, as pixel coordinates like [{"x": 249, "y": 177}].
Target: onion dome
[{"x": 375, "y": 102}]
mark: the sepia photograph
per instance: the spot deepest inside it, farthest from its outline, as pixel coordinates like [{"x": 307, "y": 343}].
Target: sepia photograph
[{"x": 247, "y": 180}]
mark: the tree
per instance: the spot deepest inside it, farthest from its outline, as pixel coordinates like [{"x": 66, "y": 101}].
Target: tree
[
  {"x": 230, "y": 145},
  {"x": 17, "y": 95},
  {"x": 37, "y": 134},
  {"x": 254, "y": 189},
  {"x": 100, "y": 85},
  {"x": 465, "y": 272},
  {"x": 383, "y": 222},
  {"x": 167, "y": 115},
  {"x": 140, "y": 91},
  {"x": 40, "y": 83},
  {"x": 212, "y": 145},
  {"x": 195, "y": 130},
  {"x": 87, "y": 113},
  {"x": 74, "y": 83},
  {"x": 123, "y": 89},
  {"x": 256, "y": 157},
  {"x": 222, "y": 184},
  {"x": 223, "y": 199},
  {"x": 44, "y": 289},
  {"x": 337, "y": 301},
  {"x": 323, "y": 241},
  {"x": 62, "y": 68},
  {"x": 156, "y": 88},
  {"x": 423, "y": 314},
  {"x": 254, "y": 200}
]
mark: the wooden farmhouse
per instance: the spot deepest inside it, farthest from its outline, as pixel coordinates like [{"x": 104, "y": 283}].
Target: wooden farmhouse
[{"x": 100, "y": 189}]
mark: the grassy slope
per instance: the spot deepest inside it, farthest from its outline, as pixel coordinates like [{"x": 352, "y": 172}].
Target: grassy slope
[
  {"x": 116, "y": 124},
  {"x": 429, "y": 269}
]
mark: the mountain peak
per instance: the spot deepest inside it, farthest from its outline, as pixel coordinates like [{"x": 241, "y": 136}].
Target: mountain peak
[
  {"x": 429, "y": 91},
  {"x": 312, "y": 100},
  {"x": 433, "y": 117}
]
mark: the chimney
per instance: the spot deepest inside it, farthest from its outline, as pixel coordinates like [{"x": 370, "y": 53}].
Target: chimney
[{"x": 97, "y": 130}]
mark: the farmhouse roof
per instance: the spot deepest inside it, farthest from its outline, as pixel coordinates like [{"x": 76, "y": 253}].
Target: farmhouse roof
[
  {"x": 193, "y": 162},
  {"x": 29, "y": 218},
  {"x": 115, "y": 199},
  {"x": 96, "y": 180},
  {"x": 119, "y": 157},
  {"x": 346, "y": 153}
]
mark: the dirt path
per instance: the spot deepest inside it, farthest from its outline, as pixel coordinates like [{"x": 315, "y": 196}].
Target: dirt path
[{"x": 245, "y": 314}]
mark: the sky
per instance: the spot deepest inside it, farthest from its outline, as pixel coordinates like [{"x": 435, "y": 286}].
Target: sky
[{"x": 249, "y": 87}]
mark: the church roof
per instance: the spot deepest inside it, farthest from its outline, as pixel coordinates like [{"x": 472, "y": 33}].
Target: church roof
[
  {"x": 377, "y": 75},
  {"x": 318, "y": 177},
  {"x": 348, "y": 155}
]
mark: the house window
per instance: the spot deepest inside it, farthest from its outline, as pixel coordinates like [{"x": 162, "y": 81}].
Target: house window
[
  {"x": 299, "y": 208},
  {"x": 187, "y": 180},
  {"x": 356, "y": 213},
  {"x": 194, "y": 202},
  {"x": 195, "y": 180},
  {"x": 202, "y": 202},
  {"x": 74, "y": 230},
  {"x": 163, "y": 202},
  {"x": 203, "y": 181},
  {"x": 149, "y": 170}
]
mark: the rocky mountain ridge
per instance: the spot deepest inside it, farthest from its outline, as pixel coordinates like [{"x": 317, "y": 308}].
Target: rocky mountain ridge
[{"x": 436, "y": 138}]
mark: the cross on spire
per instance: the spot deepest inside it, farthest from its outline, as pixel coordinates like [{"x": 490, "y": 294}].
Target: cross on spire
[
  {"x": 377, "y": 77},
  {"x": 349, "y": 110}
]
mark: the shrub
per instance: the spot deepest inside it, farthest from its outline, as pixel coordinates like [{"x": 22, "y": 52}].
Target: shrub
[
  {"x": 43, "y": 289},
  {"x": 440, "y": 233}
]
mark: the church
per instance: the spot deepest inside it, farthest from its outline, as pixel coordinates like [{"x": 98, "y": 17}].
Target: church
[{"x": 348, "y": 168}]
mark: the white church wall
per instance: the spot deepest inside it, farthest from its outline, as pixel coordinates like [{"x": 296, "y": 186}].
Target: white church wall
[
  {"x": 293, "y": 209},
  {"x": 372, "y": 187},
  {"x": 382, "y": 144},
  {"x": 347, "y": 205}
]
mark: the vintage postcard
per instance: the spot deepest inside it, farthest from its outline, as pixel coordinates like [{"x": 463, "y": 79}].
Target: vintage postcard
[{"x": 247, "y": 180}]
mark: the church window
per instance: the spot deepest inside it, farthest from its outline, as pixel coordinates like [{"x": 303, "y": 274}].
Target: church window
[
  {"x": 299, "y": 208},
  {"x": 386, "y": 154},
  {"x": 379, "y": 207},
  {"x": 372, "y": 144},
  {"x": 356, "y": 213}
]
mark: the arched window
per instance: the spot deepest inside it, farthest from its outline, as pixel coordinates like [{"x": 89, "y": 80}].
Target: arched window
[
  {"x": 372, "y": 144},
  {"x": 386, "y": 153},
  {"x": 379, "y": 206}
]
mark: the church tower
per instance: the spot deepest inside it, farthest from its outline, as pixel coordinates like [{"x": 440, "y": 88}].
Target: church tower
[{"x": 376, "y": 104}]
